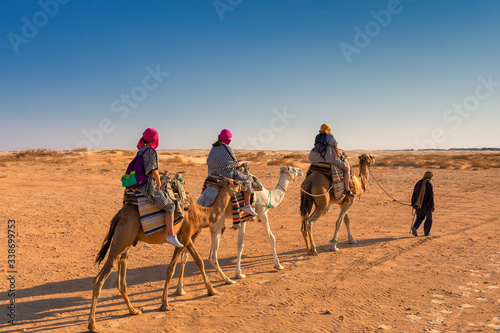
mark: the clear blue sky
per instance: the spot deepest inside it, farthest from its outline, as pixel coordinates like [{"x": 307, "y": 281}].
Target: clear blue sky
[{"x": 384, "y": 74}]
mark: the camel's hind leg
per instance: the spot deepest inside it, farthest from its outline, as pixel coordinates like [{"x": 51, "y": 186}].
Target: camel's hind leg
[
  {"x": 307, "y": 229},
  {"x": 100, "y": 279},
  {"x": 240, "y": 244},
  {"x": 122, "y": 284}
]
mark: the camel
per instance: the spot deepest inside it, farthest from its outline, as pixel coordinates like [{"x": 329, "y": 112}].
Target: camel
[
  {"x": 317, "y": 184},
  {"x": 265, "y": 200},
  {"x": 126, "y": 230}
]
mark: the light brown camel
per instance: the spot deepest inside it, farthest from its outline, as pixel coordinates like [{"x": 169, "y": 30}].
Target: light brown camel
[
  {"x": 126, "y": 230},
  {"x": 316, "y": 184}
]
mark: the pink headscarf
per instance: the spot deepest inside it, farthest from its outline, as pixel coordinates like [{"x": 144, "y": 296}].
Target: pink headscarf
[
  {"x": 225, "y": 135},
  {"x": 150, "y": 136}
]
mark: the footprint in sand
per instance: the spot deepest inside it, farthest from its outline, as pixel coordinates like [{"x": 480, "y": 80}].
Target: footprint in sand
[{"x": 466, "y": 306}]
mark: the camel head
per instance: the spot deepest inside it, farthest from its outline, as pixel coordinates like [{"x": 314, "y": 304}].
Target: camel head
[
  {"x": 232, "y": 185},
  {"x": 365, "y": 158},
  {"x": 291, "y": 171}
]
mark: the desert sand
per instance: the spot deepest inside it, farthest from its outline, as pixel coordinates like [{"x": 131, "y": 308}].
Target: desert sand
[{"x": 62, "y": 203}]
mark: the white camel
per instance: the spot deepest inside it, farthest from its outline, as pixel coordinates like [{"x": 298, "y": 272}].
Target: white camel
[{"x": 265, "y": 200}]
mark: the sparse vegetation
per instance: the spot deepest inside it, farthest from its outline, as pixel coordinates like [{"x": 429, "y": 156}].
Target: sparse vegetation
[{"x": 441, "y": 161}]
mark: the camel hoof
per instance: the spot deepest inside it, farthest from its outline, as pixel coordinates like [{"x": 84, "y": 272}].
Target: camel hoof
[
  {"x": 353, "y": 241},
  {"x": 333, "y": 247},
  {"x": 312, "y": 252},
  {"x": 240, "y": 276},
  {"x": 229, "y": 281},
  {"x": 136, "y": 312},
  {"x": 279, "y": 267},
  {"x": 211, "y": 292},
  {"x": 166, "y": 307},
  {"x": 180, "y": 292},
  {"x": 92, "y": 328}
]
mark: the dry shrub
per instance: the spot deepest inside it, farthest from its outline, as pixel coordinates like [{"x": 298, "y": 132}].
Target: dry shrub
[
  {"x": 442, "y": 161},
  {"x": 177, "y": 159},
  {"x": 34, "y": 153}
]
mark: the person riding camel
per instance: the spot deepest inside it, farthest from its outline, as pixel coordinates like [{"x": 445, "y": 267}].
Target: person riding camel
[
  {"x": 221, "y": 161},
  {"x": 152, "y": 188},
  {"x": 326, "y": 151}
]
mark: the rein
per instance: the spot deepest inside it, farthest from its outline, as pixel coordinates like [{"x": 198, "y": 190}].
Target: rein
[
  {"x": 269, "y": 204},
  {"x": 402, "y": 203},
  {"x": 376, "y": 181},
  {"x": 310, "y": 194}
]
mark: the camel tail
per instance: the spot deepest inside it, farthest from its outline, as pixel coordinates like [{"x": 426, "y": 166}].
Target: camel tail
[
  {"x": 306, "y": 201},
  {"x": 107, "y": 240}
]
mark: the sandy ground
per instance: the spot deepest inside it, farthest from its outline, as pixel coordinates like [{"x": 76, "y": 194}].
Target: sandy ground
[{"x": 390, "y": 281}]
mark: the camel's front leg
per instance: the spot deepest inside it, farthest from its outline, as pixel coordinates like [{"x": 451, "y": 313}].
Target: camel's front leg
[
  {"x": 272, "y": 239},
  {"x": 184, "y": 258},
  {"x": 347, "y": 224},
  {"x": 216, "y": 232},
  {"x": 122, "y": 284},
  {"x": 170, "y": 272},
  {"x": 343, "y": 211},
  {"x": 201, "y": 267}
]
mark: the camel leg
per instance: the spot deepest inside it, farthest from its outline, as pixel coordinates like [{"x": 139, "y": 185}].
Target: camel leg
[
  {"x": 201, "y": 267},
  {"x": 303, "y": 229},
  {"x": 184, "y": 258},
  {"x": 347, "y": 224},
  {"x": 272, "y": 240},
  {"x": 240, "y": 244},
  {"x": 216, "y": 232},
  {"x": 114, "y": 253},
  {"x": 122, "y": 284},
  {"x": 170, "y": 271},
  {"x": 180, "y": 284},
  {"x": 308, "y": 224},
  {"x": 343, "y": 211}
]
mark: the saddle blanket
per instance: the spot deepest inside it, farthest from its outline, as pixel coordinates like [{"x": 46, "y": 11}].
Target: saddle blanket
[
  {"x": 152, "y": 217},
  {"x": 209, "y": 194},
  {"x": 332, "y": 172},
  {"x": 238, "y": 214}
]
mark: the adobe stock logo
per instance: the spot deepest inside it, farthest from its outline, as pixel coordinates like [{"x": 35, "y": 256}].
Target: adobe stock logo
[
  {"x": 459, "y": 112},
  {"x": 223, "y": 6},
  {"x": 372, "y": 29},
  {"x": 30, "y": 27},
  {"x": 280, "y": 120},
  {"x": 122, "y": 107}
]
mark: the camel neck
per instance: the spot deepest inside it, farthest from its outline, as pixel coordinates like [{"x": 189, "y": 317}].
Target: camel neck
[
  {"x": 364, "y": 174},
  {"x": 279, "y": 192}
]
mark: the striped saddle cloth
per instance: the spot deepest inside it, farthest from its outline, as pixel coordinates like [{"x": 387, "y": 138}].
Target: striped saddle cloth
[
  {"x": 211, "y": 190},
  {"x": 152, "y": 217},
  {"x": 332, "y": 172}
]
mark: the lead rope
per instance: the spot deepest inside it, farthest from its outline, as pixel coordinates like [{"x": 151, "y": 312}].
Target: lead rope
[
  {"x": 310, "y": 194},
  {"x": 402, "y": 203}
]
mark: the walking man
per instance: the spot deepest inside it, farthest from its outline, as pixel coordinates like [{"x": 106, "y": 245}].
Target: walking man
[{"x": 423, "y": 202}]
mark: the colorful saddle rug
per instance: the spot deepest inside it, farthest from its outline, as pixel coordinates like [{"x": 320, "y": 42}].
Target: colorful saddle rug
[
  {"x": 333, "y": 173},
  {"x": 210, "y": 192},
  {"x": 152, "y": 217}
]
